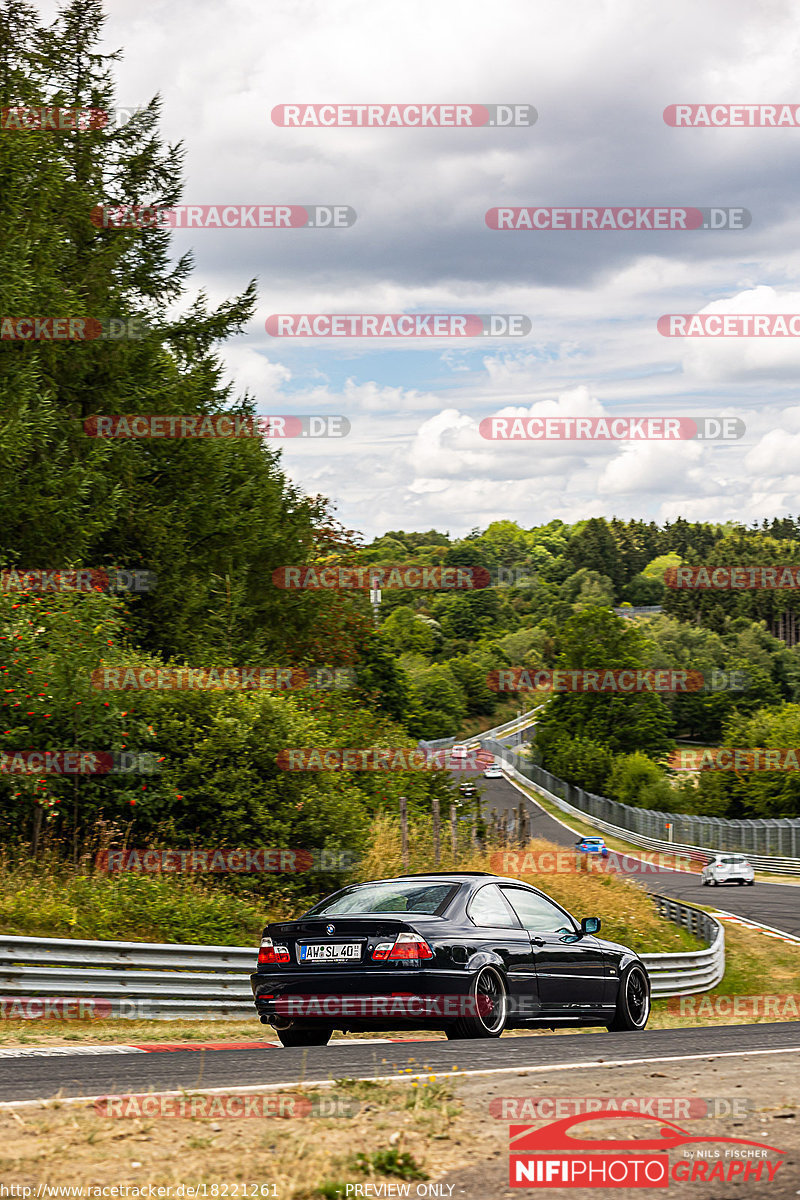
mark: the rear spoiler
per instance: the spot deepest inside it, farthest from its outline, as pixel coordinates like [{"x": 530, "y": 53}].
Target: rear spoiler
[{"x": 357, "y": 926}]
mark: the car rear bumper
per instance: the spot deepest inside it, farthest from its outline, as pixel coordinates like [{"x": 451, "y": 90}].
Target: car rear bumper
[{"x": 363, "y": 999}]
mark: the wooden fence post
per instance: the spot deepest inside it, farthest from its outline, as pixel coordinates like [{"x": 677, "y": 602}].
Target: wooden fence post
[
  {"x": 404, "y": 830},
  {"x": 437, "y": 854}
]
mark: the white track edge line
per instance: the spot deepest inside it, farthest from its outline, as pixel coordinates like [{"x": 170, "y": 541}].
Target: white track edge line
[
  {"x": 520, "y": 1069},
  {"x": 792, "y": 937}
]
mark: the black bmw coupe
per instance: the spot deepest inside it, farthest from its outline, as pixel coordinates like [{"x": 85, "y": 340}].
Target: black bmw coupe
[{"x": 467, "y": 952}]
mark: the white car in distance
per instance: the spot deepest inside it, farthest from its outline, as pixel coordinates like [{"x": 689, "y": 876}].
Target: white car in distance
[
  {"x": 728, "y": 868},
  {"x": 495, "y": 771}
]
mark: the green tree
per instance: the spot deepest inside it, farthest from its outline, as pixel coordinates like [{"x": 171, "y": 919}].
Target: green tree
[
  {"x": 406, "y": 631},
  {"x": 211, "y": 518},
  {"x": 636, "y": 780},
  {"x": 592, "y": 546},
  {"x": 597, "y": 639}
]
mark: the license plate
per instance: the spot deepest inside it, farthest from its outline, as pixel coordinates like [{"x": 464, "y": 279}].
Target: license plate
[{"x": 331, "y": 952}]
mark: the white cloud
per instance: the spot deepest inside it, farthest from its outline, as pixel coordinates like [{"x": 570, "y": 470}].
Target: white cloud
[
  {"x": 718, "y": 358},
  {"x": 600, "y": 76}
]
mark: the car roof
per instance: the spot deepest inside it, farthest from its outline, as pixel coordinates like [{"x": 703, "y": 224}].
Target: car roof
[
  {"x": 450, "y": 877},
  {"x": 443, "y": 875}
]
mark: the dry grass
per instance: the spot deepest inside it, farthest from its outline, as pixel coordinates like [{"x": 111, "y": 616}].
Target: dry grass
[
  {"x": 72, "y": 1145},
  {"x": 443, "y": 1125}
]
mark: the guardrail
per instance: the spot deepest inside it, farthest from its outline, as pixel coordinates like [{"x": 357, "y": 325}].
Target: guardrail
[
  {"x": 118, "y": 979},
  {"x": 121, "y": 979},
  {"x": 511, "y": 727},
  {"x": 437, "y": 743},
  {"x": 683, "y": 974},
  {"x": 729, "y": 834}
]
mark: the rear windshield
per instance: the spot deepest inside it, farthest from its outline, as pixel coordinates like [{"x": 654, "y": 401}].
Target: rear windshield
[
  {"x": 733, "y": 861},
  {"x": 391, "y": 897}
]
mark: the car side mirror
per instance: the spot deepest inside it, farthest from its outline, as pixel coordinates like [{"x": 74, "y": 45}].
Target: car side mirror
[{"x": 590, "y": 925}]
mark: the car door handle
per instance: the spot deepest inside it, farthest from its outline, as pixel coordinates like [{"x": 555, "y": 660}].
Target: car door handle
[{"x": 537, "y": 941}]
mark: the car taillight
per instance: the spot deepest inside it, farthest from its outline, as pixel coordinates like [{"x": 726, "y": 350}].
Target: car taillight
[
  {"x": 269, "y": 954},
  {"x": 407, "y": 945}
]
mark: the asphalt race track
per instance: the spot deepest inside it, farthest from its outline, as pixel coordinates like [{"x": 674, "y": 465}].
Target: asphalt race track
[
  {"x": 34, "y": 1078},
  {"x": 777, "y": 905}
]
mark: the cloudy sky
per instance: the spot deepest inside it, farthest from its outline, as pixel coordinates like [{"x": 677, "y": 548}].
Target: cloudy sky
[{"x": 599, "y": 75}]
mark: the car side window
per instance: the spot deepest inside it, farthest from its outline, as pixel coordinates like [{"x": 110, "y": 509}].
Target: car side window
[
  {"x": 488, "y": 907},
  {"x": 537, "y": 912}
]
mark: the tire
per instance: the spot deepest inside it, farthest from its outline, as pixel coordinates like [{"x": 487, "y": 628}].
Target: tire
[
  {"x": 750, "y": 882},
  {"x": 706, "y": 882},
  {"x": 633, "y": 1002},
  {"x": 489, "y": 1019},
  {"x": 304, "y": 1037}
]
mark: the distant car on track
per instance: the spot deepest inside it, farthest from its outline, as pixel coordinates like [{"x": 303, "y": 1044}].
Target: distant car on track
[
  {"x": 495, "y": 771},
  {"x": 467, "y": 952},
  {"x": 727, "y": 868},
  {"x": 592, "y": 845}
]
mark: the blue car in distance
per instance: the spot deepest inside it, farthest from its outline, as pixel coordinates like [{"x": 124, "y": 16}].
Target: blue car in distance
[{"x": 592, "y": 845}]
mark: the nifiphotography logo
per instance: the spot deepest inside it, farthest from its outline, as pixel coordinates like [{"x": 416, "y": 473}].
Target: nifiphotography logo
[{"x": 552, "y": 1157}]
